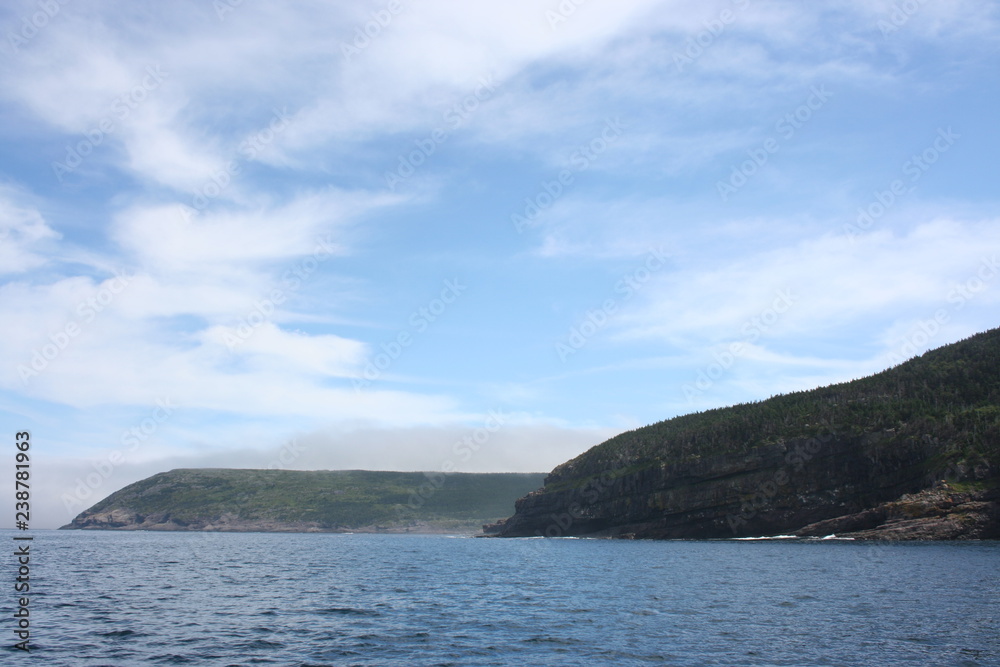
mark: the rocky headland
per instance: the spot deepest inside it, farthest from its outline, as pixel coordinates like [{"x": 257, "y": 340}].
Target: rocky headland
[{"x": 909, "y": 453}]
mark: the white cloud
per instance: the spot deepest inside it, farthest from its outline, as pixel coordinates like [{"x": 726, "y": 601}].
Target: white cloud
[
  {"x": 834, "y": 282},
  {"x": 272, "y": 349},
  {"x": 23, "y": 233},
  {"x": 78, "y": 347},
  {"x": 198, "y": 278},
  {"x": 169, "y": 239}
]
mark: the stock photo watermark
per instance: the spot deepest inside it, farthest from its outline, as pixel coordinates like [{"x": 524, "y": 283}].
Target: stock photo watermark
[
  {"x": 913, "y": 169},
  {"x": 247, "y": 151},
  {"x": 920, "y": 336},
  {"x": 803, "y": 451},
  {"x": 121, "y": 108},
  {"x": 453, "y": 117},
  {"x": 224, "y": 7},
  {"x": 463, "y": 449},
  {"x": 34, "y": 23},
  {"x": 900, "y": 15},
  {"x": 130, "y": 440},
  {"x": 751, "y": 331},
  {"x": 696, "y": 45},
  {"x": 597, "y": 318},
  {"x": 264, "y": 309},
  {"x": 562, "y": 12},
  {"x": 22, "y": 542},
  {"x": 289, "y": 453},
  {"x": 589, "y": 494},
  {"x": 786, "y": 127},
  {"x": 365, "y": 34},
  {"x": 581, "y": 160},
  {"x": 581, "y": 504},
  {"x": 420, "y": 320},
  {"x": 87, "y": 311}
]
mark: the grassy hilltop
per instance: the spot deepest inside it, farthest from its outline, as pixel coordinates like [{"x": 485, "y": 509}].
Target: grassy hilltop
[{"x": 233, "y": 499}]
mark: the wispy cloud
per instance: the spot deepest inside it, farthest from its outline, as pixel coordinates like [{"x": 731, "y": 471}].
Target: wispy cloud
[{"x": 208, "y": 203}]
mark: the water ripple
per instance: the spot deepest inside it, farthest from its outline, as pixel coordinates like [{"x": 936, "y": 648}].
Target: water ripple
[{"x": 112, "y": 599}]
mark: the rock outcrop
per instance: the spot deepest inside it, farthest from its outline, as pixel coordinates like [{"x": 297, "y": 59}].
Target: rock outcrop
[
  {"x": 932, "y": 514},
  {"x": 124, "y": 519}
]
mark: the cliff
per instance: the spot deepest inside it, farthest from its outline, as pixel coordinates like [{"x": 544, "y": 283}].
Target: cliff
[
  {"x": 840, "y": 459},
  {"x": 309, "y": 501}
]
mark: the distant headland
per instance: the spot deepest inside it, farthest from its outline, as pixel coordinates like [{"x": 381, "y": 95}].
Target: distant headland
[{"x": 224, "y": 499}]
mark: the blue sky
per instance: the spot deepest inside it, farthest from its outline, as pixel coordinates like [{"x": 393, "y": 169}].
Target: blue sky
[{"x": 358, "y": 235}]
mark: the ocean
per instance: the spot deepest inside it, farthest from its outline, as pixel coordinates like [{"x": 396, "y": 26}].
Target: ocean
[{"x": 146, "y": 598}]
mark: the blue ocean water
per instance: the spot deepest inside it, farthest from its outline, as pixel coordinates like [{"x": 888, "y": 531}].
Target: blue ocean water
[{"x": 122, "y": 599}]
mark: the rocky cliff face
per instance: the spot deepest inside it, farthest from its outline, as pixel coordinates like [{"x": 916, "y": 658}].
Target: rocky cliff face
[
  {"x": 768, "y": 491},
  {"x": 743, "y": 471}
]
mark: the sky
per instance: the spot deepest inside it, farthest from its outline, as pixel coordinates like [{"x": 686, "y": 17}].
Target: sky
[{"x": 435, "y": 235}]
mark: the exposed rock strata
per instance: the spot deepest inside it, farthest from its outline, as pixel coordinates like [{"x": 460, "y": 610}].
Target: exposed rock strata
[
  {"x": 848, "y": 485},
  {"x": 933, "y": 514}
]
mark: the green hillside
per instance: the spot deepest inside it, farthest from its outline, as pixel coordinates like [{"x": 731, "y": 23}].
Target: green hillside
[
  {"x": 951, "y": 394},
  {"x": 325, "y": 500},
  {"x": 780, "y": 465}
]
